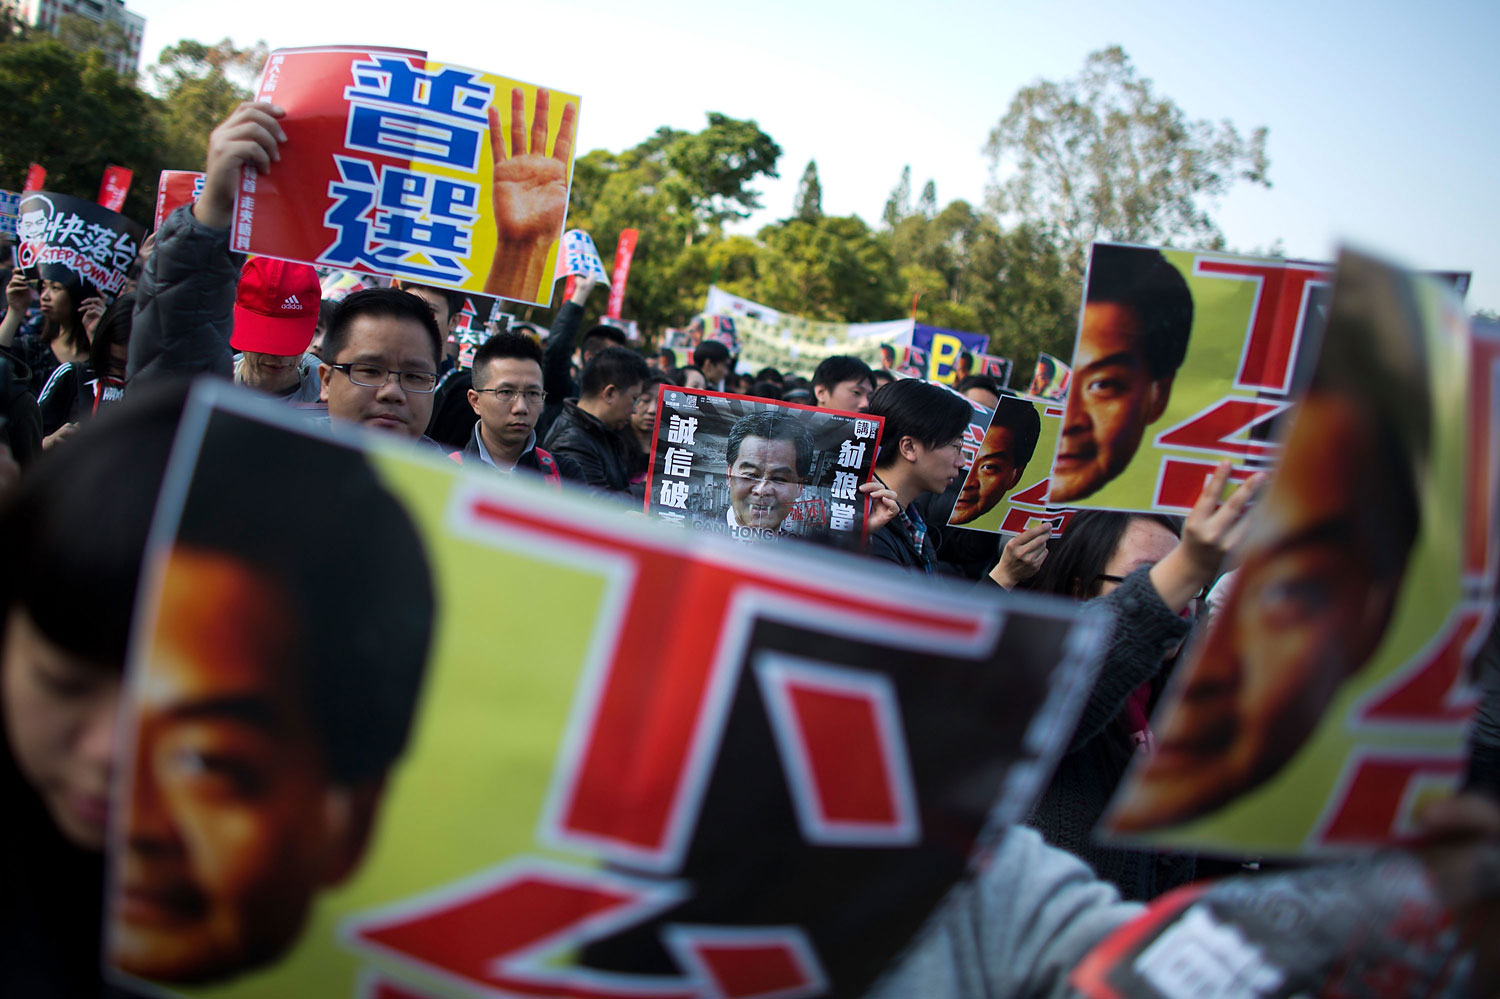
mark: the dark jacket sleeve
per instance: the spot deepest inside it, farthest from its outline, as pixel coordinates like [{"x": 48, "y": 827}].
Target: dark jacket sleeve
[
  {"x": 1144, "y": 629},
  {"x": 59, "y": 398},
  {"x": 184, "y": 303},
  {"x": 581, "y": 464},
  {"x": 557, "y": 359}
]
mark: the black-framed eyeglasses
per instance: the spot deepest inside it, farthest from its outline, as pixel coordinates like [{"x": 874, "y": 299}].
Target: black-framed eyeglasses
[
  {"x": 375, "y": 376},
  {"x": 1200, "y": 595},
  {"x": 506, "y": 396}
]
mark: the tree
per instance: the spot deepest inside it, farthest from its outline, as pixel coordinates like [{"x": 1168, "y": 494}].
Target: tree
[
  {"x": 927, "y": 203},
  {"x": 809, "y": 204},
  {"x": 833, "y": 268},
  {"x": 1102, "y": 156},
  {"x": 898, "y": 205},
  {"x": 82, "y": 34},
  {"x": 200, "y": 85}
]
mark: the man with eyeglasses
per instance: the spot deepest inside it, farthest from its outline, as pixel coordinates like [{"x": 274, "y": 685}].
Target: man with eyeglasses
[
  {"x": 507, "y": 397},
  {"x": 769, "y": 455},
  {"x": 382, "y": 351}
]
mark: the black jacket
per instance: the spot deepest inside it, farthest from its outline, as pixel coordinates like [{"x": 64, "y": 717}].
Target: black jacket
[
  {"x": 536, "y": 459},
  {"x": 184, "y": 303},
  {"x": 596, "y": 452},
  {"x": 557, "y": 366},
  {"x": 892, "y": 544}
]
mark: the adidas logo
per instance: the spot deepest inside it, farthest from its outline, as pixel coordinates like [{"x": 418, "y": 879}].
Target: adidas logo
[{"x": 291, "y": 303}]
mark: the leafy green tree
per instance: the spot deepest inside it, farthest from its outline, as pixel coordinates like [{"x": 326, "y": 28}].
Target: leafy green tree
[
  {"x": 1102, "y": 156},
  {"x": 927, "y": 203},
  {"x": 835, "y": 268},
  {"x": 898, "y": 205},
  {"x": 200, "y": 85},
  {"x": 809, "y": 204}
]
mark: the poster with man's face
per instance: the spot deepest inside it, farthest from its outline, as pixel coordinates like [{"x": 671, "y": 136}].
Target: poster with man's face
[
  {"x": 1327, "y": 701},
  {"x": 1182, "y": 359},
  {"x": 1005, "y": 488},
  {"x": 76, "y": 242},
  {"x": 517, "y": 742},
  {"x": 759, "y": 469}
]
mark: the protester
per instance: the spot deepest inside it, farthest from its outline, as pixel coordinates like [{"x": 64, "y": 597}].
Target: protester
[
  {"x": 982, "y": 389},
  {"x": 382, "y": 350},
  {"x": 640, "y": 436},
  {"x": 507, "y": 397},
  {"x": 664, "y": 359},
  {"x": 921, "y": 451},
  {"x": 588, "y": 430},
  {"x": 693, "y": 377},
  {"x": 713, "y": 359},
  {"x": 557, "y": 359},
  {"x": 276, "y": 310},
  {"x": 770, "y": 375},
  {"x": 843, "y": 383},
  {"x": 67, "y": 315},
  {"x": 20, "y": 416},
  {"x": 76, "y": 392},
  {"x": 452, "y": 418}
]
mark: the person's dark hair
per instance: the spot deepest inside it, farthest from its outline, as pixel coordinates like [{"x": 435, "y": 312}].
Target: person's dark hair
[
  {"x": 455, "y": 299},
  {"x": 930, "y": 414},
  {"x": 985, "y": 382},
  {"x": 881, "y": 376},
  {"x": 1075, "y": 560},
  {"x": 766, "y": 390},
  {"x": 772, "y": 425},
  {"x": 617, "y": 366},
  {"x": 113, "y": 327},
  {"x": 888, "y": 353},
  {"x": 507, "y": 345},
  {"x": 1048, "y": 364},
  {"x": 796, "y": 383},
  {"x": 359, "y": 605},
  {"x": 710, "y": 350},
  {"x": 841, "y": 368},
  {"x": 770, "y": 375},
  {"x": 668, "y": 358},
  {"x": 76, "y": 524},
  {"x": 682, "y": 372},
  {"x": 602, "y": 337},
  {"x": 1021, "y": 419},
  {"x": 71, "y": 329},
  {"x": 1143, "y": 281},
  {"x": 390, "y": 302}
]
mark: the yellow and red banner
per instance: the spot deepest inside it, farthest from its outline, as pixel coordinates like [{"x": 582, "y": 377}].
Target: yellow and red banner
[
  {"x": 517, "y": 742},
  {"x": 401, "y": 165}
]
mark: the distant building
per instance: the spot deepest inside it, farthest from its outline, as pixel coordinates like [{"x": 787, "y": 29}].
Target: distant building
[{"x": 47, "y": 13}]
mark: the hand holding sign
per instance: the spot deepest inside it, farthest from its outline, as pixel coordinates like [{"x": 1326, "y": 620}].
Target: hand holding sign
[
  {"x": 249, "y": 137},
  {"x": 1209, "y": 533},
  {"x": 530, "y": 193},
  {"x": 89, "y": 312}
]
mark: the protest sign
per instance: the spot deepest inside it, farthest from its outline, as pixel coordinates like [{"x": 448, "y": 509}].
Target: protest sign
[
  {"x": 175, "y": 188},
  {"x": 1182, "y": 359},
  {"x": 795, "y": 345},
  {"x": 74, "y": 241},
  {"x": 629, "y": 327},
  {"x": 473, "y": 324},
  {"x": 579, "y": 257},
  {"x": 624, "y": 251},
  {"x": 1051, "y": 378},
  {"x": 944, "y": 348},
  {"x": 1482, "y": 467},
  {"x": 517, "y": 742},
  {"x": 10, "y": 213},
  {"x": 998, "y": 368},
  {"x": 1326, "y": 702},
  {"x": 756, "y": 469},
  {"x": 400, "y": 165},
  {"x": 36, "y": 178},
  {"x": 1005, "y": 487},
  {"x": 115, "y": 186}
]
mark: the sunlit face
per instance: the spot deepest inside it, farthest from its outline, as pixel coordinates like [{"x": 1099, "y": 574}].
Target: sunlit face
[
  {"x": 643, "y": 417},
  {"x": 507, "y": 423},
  {"x": 57, "y": 301},
  {"x": 995, "y": 473},
  {"x": 1308, "y": 609},
  {"x": 937, "y": 467},
  {"x": 276, "y": 374},
  {"x": 852, "y": 396},
  {"x": 232, "y": 822},
  {"x": 60, "y": 716},
  {"x": 1112, "y": 400},
  {"x": 395, "y": 343},
  {"x": 764, "y": 483}
]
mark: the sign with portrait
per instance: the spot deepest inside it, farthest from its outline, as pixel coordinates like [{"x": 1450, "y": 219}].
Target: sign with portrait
[
  {"x": 400, "y": 165},
  {"x": 1328, "y": 701},
  {"x": 76, "y": 242},
  {"x": 517, "y": 742},
  {"x": 1050, "y": 380},
  {"x": 757, "y": 469},
  {"x": 1005, "y": 487},
  {"x": 945, "y": 351}
]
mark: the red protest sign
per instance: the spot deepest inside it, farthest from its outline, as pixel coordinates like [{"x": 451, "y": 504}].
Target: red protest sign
[
  {"x": 36, "y": 178},
  {"x": 114, "y": 187},
  {"x": 624, "y": 250},
  {"x": 176, "y": 187}
]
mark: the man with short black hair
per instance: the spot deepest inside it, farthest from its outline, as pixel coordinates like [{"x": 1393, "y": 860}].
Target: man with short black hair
[
  {"x": 382, "y": 351},
  {"x": 507, "y": 397},
  {"x": 714, "y": 360},
  {"x": 921, "y": 451},
  {"x": 843, "y": 383},
  {"x": 982, "y": 389},
  {"x": 587, "y": 432}
]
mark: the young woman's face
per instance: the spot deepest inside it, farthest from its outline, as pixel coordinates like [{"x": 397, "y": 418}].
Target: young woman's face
[
  {"x": 60, "y": 718},
  {"x": 57, "y": 303}
]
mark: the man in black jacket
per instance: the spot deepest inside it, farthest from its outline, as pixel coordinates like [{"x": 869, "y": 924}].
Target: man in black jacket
[
  {"x": 587, "y": 431},
  {"x": 921, "y": 451},
  {"x": 557, "y": 361}
]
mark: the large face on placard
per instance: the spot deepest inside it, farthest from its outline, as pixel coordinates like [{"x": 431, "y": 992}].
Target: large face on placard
[
  {"x": 1113, "y": 398},
  {"x": 764, "y": 482},
  {"x": 1310, "y": 604},
  {"x": 996, "y": 471}
]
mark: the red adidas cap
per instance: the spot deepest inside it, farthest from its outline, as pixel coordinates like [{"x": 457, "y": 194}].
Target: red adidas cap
[{"x": 276, "y": 309}]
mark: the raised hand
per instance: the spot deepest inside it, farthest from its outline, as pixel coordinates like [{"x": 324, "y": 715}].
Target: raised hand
[
  {"x": 529, "y": 193},
  {"x": 250, "y": 135},
  {"x": 1022, "y": 556},
  {"x": 1211, "y": 530},
  {"x": 90, "y": 311}
]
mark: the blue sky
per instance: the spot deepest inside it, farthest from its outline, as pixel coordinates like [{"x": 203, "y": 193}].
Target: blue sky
[{"x": 1384, "y": 127}]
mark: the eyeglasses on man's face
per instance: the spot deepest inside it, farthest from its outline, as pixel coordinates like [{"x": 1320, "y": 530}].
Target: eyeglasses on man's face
[
  {"x": 507, "y": 396},
  {"x": 375, "y": 376}
]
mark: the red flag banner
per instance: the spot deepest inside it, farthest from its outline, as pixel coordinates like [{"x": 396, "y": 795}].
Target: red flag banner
[
  {"x": 36, "y": 178},
  {"x": 624, "y": 250},
  {"x": 114, "y": 187}
]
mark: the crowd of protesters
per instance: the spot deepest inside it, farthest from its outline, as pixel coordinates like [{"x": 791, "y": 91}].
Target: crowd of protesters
[{"x": 574, "y": 409}]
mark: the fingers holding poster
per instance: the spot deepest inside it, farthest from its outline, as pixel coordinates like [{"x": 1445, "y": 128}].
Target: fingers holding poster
[
  {"x": 400, "y": 165},
  {"x": 414, "y": 767},
  {"x": 1327, "y": 696},
  {"x": 757, "y": 469}
]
